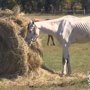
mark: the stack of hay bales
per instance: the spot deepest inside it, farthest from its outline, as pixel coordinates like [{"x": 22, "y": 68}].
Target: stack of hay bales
[{"x": 15, "y": 55}]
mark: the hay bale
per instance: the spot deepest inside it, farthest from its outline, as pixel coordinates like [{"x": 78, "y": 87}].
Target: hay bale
[
  {"x": 15, "y": 55},
  {"x": 21, "y": 22},
  {"x": 5, "y": 14}
]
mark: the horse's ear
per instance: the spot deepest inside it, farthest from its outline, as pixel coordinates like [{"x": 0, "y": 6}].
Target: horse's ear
[{"x": 32, "y": 21}]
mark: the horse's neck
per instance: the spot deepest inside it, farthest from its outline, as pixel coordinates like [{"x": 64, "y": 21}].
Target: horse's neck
[{"x": 46, "y": 27}]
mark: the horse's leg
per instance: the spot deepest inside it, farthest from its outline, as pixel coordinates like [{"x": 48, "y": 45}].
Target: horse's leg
[
  {"x": 66, "y": 61},
  {"x": 48, "y": 40},
  {"x": 52, "y": 40}
]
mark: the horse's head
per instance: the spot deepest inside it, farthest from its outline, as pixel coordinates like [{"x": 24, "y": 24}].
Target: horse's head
[{"x": 32, "y": 33}]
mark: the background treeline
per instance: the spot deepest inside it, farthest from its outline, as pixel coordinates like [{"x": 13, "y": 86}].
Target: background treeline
[{"x": 46, "y": 6}]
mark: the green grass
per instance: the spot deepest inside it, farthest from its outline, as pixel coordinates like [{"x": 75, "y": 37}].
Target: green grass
[
  {"x": 80, "y": 62},
  {"x": 79, "y": 56}
]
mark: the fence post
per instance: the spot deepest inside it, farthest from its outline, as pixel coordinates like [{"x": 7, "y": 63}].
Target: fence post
[
  {"x": 73, "y": 12},
  {"x": 84, "y": 12}
]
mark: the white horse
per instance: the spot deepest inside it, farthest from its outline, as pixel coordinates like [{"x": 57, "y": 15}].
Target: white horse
[{"x": 67, "y": 30}]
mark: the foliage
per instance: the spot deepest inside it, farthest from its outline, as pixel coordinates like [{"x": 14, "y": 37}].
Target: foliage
[{"x": 46, "y": 5}]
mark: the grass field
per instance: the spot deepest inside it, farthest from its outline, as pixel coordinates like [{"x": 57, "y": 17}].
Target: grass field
[
  {"x": 52, "y": 57},
  {"x": 80, "y": 61}
]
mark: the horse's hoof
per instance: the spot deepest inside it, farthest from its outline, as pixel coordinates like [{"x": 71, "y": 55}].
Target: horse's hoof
[{"x": 62, "y": 75}]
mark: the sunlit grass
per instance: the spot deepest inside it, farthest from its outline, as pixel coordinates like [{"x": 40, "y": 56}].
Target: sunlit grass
[{"x": 80, "y": 61}]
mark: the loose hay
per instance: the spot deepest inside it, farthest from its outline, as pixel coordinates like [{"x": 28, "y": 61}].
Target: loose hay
[{"x": 40, "y": 78}]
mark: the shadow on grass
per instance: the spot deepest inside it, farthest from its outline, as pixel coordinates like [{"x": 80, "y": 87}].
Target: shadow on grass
[{"x": 48, "y": 69}]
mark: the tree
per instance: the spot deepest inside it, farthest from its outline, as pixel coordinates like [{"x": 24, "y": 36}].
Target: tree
[
  {"x": 47, "y": 5},
  {"x": 72, "y": 4}
]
